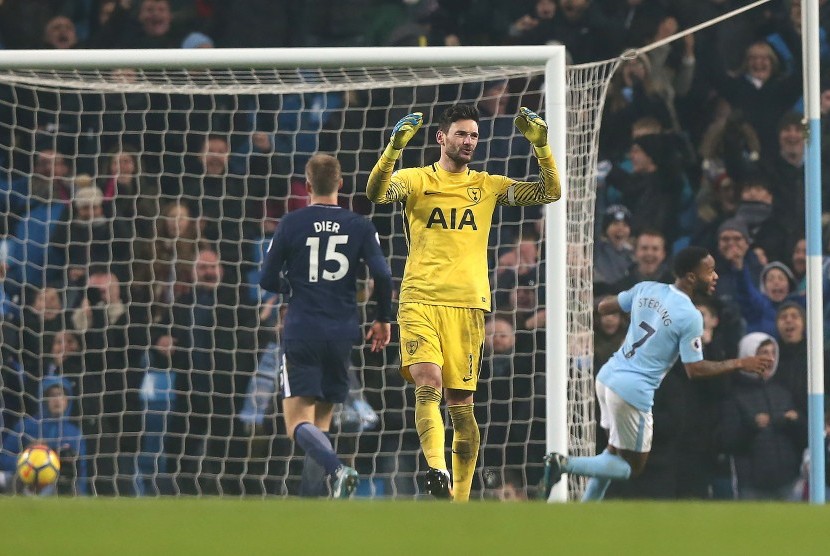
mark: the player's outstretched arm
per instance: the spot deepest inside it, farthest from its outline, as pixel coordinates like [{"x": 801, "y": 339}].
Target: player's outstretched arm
[
  {"x": 548, "y": 188},
  {"x": 378, "y": 186},
  {"x": 705, "y": 369}
]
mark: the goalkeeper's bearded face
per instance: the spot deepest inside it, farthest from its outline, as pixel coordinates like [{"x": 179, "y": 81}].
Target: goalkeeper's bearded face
[{"x": 460, "y": 141}]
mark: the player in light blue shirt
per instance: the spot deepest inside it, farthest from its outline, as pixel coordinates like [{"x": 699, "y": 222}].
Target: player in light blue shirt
[{"x": 665, "y": 324}]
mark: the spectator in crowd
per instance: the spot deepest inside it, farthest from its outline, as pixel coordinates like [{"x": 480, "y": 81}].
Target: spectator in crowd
[
  {"x": 219, "y": 199},
  {"x": 31, "y": 338},
  {"x": 260, "y": 23},
  {"x": 759, "y": 92},
  {"x": 60, "y": 33},
  {"x": 455, "y": 24},
  {"x": 730, "y": 150},
  {"x": 504, "y": 408},
  {"x": 51, "y": 425},
  {"x": 503, "y": 151},
  {"x": 109, "y": 23},
  {"x": 129, "y": 194},
  {"x": 798, "y": 264},
  {"x": 153, "y": 27},
  {"x": 576, "y": 21},
  {"x": 767, "y": 232},
  {"x": 609, "y": 333},
  {"x": 536, "y": 26},
  {"x": 65, "y": 359},
  {"x": 613, "y": 254},
  {"x": 650, "y": 261},
  {"x": 759, "y": 304},
  {"x": 35, "y": 207},
  {"x": 632, "y": 95},
  {"x": 734, "y": 253},
  {"x": 221, "y": 359},
  {"x": 113, "y": 342},
  {"x": 786, "y": 38},
  {"x": 762, "y": 429},
  {"x": 672, "y": 67},
  {"x": 786, "y": 171},
  {"x": 705, "y": 400},
  {"x": 653, "y": 190},
  {"x": 791, "y": 328},
  {"x": 90, "y": 238},
  {"x": 177, "y": 242}
]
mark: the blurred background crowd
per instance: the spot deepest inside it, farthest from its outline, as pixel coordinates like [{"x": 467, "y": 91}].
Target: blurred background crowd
[{"x": 133, "y": 226}]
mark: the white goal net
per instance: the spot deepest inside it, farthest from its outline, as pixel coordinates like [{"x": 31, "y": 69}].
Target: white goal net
[{"x": 137, "y": 205}]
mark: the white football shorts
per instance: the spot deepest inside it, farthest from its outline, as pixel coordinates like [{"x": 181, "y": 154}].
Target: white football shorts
[{"x": 629, "y": 428}]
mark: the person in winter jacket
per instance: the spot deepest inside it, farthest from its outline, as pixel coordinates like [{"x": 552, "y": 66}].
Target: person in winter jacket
[
  {"x": 762, "y": 429},
  {"x": 53, "y": 427}
]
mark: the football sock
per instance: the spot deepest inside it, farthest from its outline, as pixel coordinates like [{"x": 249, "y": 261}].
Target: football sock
[
  {"x": 430, "y": 425},
  {"x": 317, "y": 446},
  {"x": 312, "y": 482},
  {"x": 466, "y": 440},
  {"x": 603, "y": 466},
  {"x": 595, "y": 490}
]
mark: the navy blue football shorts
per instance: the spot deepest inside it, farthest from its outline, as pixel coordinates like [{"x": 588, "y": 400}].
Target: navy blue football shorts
[{"x": 316, "y": 369}]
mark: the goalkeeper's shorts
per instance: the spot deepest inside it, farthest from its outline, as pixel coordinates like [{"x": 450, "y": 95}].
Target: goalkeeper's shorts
[{"x": 450, "y": 337}]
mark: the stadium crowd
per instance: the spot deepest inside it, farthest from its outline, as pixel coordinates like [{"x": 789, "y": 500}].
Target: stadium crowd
[{"x": 134, "y": 226}]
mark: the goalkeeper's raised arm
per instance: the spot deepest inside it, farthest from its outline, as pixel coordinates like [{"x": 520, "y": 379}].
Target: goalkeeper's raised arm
[
  {"x": 379, "y": 188},
  {"x": 547, "y": 189}
]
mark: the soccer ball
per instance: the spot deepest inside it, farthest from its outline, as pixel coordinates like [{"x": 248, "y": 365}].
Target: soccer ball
[{"x": 38, "y": 467}]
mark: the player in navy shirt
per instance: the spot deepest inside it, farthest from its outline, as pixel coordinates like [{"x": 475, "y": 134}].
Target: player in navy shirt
[
  {"x": 665, "y": 324},
  {"x": 316, "y": 250}
]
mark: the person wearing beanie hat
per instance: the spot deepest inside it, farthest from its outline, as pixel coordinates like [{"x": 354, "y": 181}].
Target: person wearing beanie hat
[
  {"x": 732, "y": 257},
  {"x": 734, "y": 225},
  {"x": 777, "y": 280},
  {"x": 759, "y": 304},
  {"x": 615, "y": 213},
  {"x": 613, "y": 254}
]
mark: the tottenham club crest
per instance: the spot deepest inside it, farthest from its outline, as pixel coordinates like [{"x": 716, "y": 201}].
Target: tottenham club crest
[
  {"x": 474, "y": 193},
  {"x": 412, "y": 347}
]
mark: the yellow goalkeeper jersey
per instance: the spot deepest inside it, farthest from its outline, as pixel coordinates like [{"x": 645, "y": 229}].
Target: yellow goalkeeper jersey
[{"x": 447, "y": 219}]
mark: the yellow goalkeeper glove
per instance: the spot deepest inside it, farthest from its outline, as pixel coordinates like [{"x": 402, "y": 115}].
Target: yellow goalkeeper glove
[
  {"x": 534, "y": 129},
  {"x": 402, "y": 133}
]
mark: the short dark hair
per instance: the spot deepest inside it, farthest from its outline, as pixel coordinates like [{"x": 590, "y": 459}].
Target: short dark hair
[
  {"x": 688, "y": 259},
  {"x": 323, "y": 172},
  {"x": 457, "y": 112}
]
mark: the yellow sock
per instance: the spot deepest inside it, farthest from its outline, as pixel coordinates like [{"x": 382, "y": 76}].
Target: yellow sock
[
  {"x": 465, "y": 443},
  {"x": 430, "y": 425}
]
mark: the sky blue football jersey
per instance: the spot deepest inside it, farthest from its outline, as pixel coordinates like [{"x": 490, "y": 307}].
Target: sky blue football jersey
[{"x": 664, "y": 324}]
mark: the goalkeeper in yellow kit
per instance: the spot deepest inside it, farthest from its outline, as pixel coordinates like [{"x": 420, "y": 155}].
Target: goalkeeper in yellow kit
[{"x": 445, "y": 289}]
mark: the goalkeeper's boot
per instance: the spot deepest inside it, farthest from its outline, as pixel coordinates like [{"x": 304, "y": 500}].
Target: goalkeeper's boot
[
  {"x": 438, "y": 484},
  {"x": 345, "y": 482},
  {"x": 554, "y": 463}
]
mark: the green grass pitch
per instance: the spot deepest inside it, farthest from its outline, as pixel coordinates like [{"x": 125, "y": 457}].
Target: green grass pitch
[{"x": 121, "y": 527}]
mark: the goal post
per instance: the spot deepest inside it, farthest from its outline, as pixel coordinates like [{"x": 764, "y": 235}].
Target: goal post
[{"x": 403, "y": 79}]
